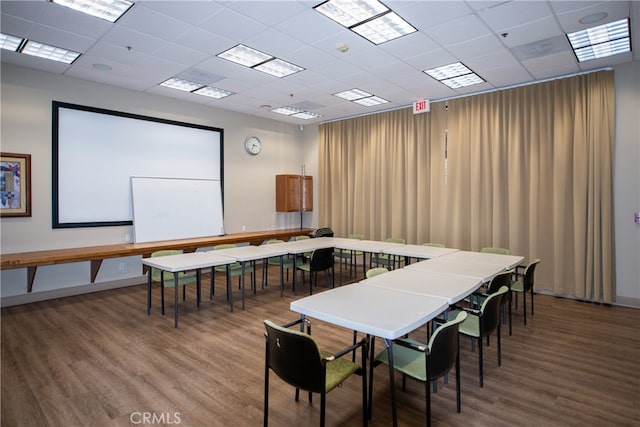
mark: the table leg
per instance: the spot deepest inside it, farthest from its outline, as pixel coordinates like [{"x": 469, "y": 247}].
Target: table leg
[
  {"x": 148, "y": 291},
  {"x": 198, "y": 286},
  {"x": 295, "y": 273},
  {"x": 281, "y": 276},
  {"x": 242, "y": 284},
  {"x": 394, "y": 415},
  {"x": 340, "y": 259},
  {"x": 372, "y": 343},
  {"x": 229, "y": 288},
  {"x": 175, "y": 300}
]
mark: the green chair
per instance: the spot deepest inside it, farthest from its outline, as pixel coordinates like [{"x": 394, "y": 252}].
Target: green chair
[
  {"x": 347, "y": 254},
  {"x": 388, "y": 261},
  {"x": 297, "y": 359},
  {"x": 494, "y": 250},
  {"x": 496, "y": 283},
  {"x": 482, "y": 323},
  {"x": 286, "y": 263},
  {"x": 231, "y": 270},
  {"x": 168, "y": 281},
  {"x": 434, "y": 245},
  {"x": 428, "y": 362},
  {"x": 373, "y": 272},
  {"x": 523, "y": 284},
  {"x": 305, "y": 256}
]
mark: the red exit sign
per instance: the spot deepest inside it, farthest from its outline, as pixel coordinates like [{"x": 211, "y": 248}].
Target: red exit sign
[{"x": 421, "y": 106}]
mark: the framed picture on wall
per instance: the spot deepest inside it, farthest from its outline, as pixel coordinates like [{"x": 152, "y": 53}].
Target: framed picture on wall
[{"x": 15, "y": 184}]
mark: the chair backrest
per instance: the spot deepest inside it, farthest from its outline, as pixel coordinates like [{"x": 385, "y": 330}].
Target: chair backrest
[
  {"x": 373, "y": 272},
  {"x": 272, "y": 241},
  {"x": 435, "y": 245},
  {"x": 303, "y": 237},
  {"x": 395, "y": 240},
  {"x": 323, "y": 232},
  {"x": 443, "y": 347},
  {"x": 295, "y": 357},
  {"x": 529, "y": 273},
  {"x": 490, "y": 310},
  {"x": 156, "y": 275},
  {"x": 321, "y": 259},
  {"x": 356, "y": 236},
  {"x": 498, "y": 281},
  {"x": 494, "y": 250}
]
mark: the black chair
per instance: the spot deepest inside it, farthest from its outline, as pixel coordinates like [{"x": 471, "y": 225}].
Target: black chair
[
  {"x": 483, "y": 322},
  {"x": 428, "y": 362},
  {"x": 295, "y": 357},
  {"x": 323, "y": 232},
  {"x": 523, "y": 284},
  {"x": 321, "y": 260}
]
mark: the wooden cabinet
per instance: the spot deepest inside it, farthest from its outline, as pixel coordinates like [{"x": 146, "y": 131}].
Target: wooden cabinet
[{"x": 294, "y": 193}]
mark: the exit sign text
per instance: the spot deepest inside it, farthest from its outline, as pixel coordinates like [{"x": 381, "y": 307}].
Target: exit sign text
[{"x": 421, "y": 106}]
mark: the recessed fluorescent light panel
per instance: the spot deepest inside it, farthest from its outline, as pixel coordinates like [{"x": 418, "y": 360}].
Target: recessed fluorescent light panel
[
  {"x": 368, "y": 18},
  {"x": 361, "y": 97},
  {"x": 10, "y": 42},
  {"x": 213, "y": 92},
  {"x": 260, "y": 61},
  {"x": 109, "y": 10},
  {"x": 601, "y": 41},
  {"x": 53, "y": 53},
  {"x": 194, "y": 87},
  {"x": 181, "y": 84},
  {"x": 352, "y": 94},
  {"x": 455, "y": 75},
  {"x": 296, "y": 112}
]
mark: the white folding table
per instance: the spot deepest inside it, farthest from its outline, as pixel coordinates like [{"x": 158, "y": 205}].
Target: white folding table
[
  {"x": 364, "y": 246},
  {"x": 430, "y": 283},
  {"x": 182, "y": 262},
  {"x": 459, "y": 267},
  {"x": 375, "y": 311},
  {"x": 418, "y": 251}
]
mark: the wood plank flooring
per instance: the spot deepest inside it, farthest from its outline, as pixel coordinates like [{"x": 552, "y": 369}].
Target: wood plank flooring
[{"x": 99, "y": 360}]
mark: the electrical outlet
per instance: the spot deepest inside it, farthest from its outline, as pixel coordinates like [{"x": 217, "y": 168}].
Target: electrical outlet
[
  {"x": 244, "y": 228},
  {"x": 121, "y": 266}
]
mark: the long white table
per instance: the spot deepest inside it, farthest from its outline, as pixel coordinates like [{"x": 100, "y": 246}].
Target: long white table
[
  {"x": 182, "y": 262},
  {"x": 450, "y": 287},
  {"x": 468, "y": 264},
  {"x": 365, "y": 246},
  {"x": 375, "y": 311}
]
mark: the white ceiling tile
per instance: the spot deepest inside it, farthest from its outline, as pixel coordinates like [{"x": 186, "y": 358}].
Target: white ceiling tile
[
  {"x": 514, "y": 13},
  {"x": 458, "y": 30}
]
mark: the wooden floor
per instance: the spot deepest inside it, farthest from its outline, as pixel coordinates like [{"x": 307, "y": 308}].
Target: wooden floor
[{"x": 99, "y": 360}]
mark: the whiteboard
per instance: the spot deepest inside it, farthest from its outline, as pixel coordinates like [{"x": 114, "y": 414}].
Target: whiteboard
[{"x": 176, "y": 208}]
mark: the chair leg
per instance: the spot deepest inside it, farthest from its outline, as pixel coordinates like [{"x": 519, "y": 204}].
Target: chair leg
[
  {"x": 458, "y": 400},
  {"x": 499, "y": 352},
  {"x": 428, "y": 395},
  {"x": 532, "y": 301},
  {"x": 323, "y": 399},
  {"x": 266, "y": 391},
  {"x": 524, "y": 306},
  {"x": 480, "y": 360}
]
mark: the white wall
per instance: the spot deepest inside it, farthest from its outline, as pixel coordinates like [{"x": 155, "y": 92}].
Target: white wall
[{"x": 249, "y": 181}]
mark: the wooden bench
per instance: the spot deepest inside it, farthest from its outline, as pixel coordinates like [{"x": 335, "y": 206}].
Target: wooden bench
[{"x": 96, "y": 254}]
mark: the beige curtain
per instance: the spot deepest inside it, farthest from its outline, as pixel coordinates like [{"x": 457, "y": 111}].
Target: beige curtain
[{"x": 529, "y": 169}]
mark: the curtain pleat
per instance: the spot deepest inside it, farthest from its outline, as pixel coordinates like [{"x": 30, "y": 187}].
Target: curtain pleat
[{"x": 529, "y": 169}]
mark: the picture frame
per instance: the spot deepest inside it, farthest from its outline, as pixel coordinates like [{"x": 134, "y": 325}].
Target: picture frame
[{"x": 15, "y": 185}]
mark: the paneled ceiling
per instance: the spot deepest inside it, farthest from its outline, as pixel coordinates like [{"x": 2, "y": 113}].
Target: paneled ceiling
[{"x": 506, "y": 42}]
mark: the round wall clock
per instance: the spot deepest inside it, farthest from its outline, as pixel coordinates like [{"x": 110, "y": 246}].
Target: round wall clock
[{"x": 253, "y": 145}]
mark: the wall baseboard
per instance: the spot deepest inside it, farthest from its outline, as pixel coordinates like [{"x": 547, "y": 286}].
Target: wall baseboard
[{"x": 70, "y": 291}]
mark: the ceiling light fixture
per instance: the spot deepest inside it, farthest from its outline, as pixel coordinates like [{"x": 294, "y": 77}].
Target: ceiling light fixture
[
  {"x": 455, "y": 75},
  {"x": 46, "y": 51},
  {"x": 195, "y": 87},
  {"x": 369, "y": 18},
  {"x": 260, "y": 61},
  {"x": 361, "y": 97},
  {"x": 10, "y": 42},
  {"x": 601, "y": 41},
  {"x": 109, "y": 10},
  {"x": 213, "y": 92},
  {"x": 296, "y": 112}
]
